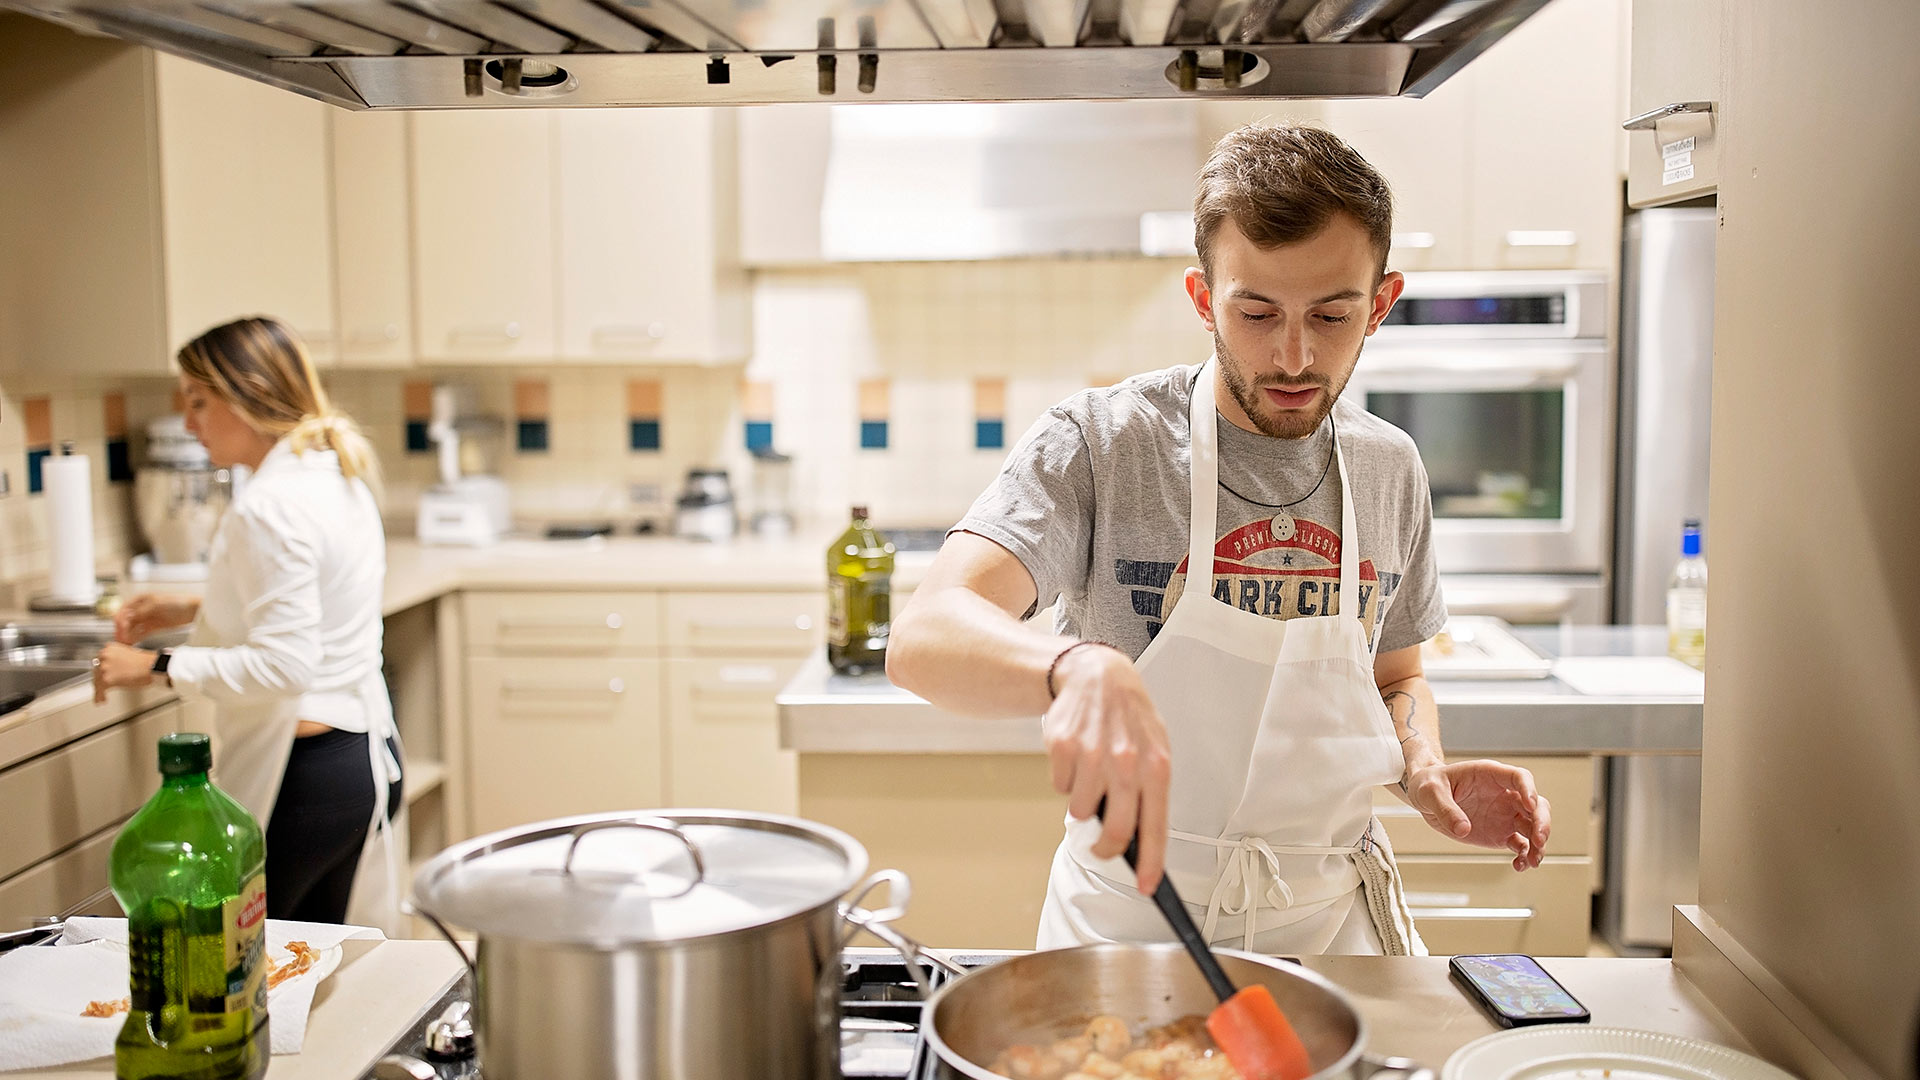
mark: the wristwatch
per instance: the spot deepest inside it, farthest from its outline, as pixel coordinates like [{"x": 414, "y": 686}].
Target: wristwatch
[{"x": 160, "y": 661}]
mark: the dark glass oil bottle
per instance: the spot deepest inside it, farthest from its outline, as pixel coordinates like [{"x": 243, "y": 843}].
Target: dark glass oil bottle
[
  {"x": 859, "y": 598},
  {"x": 190, "y": 870}
]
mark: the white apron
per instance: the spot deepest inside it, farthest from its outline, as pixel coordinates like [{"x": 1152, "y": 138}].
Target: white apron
[
  {"x": 251, "y": 760},
  {"x": 1278, "y": 737}
]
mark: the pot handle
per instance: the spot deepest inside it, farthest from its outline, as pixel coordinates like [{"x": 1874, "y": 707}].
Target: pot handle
[
  {"x": 1397, "y": 1067},
  {"x": 408, "y": 908},
  {"x": 657, "y": 825}
]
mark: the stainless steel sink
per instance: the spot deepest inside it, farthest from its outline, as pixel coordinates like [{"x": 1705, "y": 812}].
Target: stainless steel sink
[{"x": 37, "y": 656}]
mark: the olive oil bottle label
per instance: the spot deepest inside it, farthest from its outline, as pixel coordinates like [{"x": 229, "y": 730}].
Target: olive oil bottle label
[
  {"x": 244, "y": 929},
  {"x": 837, "y": 604}
]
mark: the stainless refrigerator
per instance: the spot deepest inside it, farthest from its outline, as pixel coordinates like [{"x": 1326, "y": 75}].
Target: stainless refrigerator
[{"x": 1666, "y": 366}]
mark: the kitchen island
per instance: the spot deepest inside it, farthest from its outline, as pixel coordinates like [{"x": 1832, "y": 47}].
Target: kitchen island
[{"x": 966, "y": 806}]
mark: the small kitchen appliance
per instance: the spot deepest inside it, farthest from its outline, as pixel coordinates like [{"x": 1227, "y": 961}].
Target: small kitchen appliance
[
  {"x": 178, "y": 497},
  {"x": 468, "y": 507},
  {"x": 705, "y": 509}
]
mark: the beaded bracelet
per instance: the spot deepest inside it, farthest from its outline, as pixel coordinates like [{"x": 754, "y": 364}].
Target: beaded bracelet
[{"x": 1053, "y": 694}]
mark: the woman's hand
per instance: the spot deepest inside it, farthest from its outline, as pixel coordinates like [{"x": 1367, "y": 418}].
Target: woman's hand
[
  {"x": 145, "y": 615},
  {"x": 120, "y": 666}
]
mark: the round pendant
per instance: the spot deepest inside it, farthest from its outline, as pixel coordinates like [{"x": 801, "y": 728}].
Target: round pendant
[{"x": 1283, "y": 526}]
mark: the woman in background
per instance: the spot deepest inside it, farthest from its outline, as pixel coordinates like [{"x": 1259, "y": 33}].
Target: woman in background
[{"x": 287, "y": 640}]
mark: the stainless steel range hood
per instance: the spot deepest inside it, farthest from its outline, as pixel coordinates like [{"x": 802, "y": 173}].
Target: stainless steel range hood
[{"x": 400, "y": 54}]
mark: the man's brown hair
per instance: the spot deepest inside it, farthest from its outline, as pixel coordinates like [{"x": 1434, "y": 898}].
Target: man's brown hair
[{"x": 1281, "y": 183}]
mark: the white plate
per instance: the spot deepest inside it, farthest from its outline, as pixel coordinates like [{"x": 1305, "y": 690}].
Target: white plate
[
  {"x": 1481, "y": 647},
  {"x": 1566, "y": 1052}
]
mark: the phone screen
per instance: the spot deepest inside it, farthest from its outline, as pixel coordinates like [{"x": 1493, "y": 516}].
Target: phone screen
[{"x": 1518, "y": 987}]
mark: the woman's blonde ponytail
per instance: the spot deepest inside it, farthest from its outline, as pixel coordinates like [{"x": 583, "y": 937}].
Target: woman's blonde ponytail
[{"x": 260, "y": 368}]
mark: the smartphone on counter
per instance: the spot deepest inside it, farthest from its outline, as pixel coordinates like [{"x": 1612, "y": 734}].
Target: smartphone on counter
[{"x": 1516, "y": 991}]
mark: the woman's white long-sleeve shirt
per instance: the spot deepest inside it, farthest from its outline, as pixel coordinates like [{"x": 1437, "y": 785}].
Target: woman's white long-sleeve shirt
[{"x": 289, "y": 627}]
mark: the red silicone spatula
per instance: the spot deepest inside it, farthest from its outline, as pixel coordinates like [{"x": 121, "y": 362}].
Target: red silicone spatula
[{"x": 1247, "y": 1024}]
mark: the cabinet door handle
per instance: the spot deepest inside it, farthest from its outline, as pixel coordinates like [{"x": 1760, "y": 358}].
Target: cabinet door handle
[
  {"x": 1413, "y": 240},
  {"x": 749, "y": 626},
  {"x": 499, "y": 333},
  {"x": 1646, "y": 120},
  {"x": 614, "y": 685},
  {"x": 613, "y": 621},
  {"x": 630, "y": 334},
  {"x": 1473, "y": 914},
  {"x": 1542, "y": 238},
  {"x": 380, "y": 335}
]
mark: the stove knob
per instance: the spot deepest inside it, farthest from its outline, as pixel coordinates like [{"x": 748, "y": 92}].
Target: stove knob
[
  {"x": 450, "y": 1038},
  {"x": 401, "y": 1067}
]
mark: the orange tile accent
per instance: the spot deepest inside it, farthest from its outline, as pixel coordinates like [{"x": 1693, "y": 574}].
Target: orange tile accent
[
  {"x": 756, "y": 400},
  {"x": 416, "y": 396},
  {"x": 531, "y": 399},
  {"x": 643, "y": 399},
  {"x": 990, "y": 398},
  {"x": 115, "y": 406},
  {"x": 874, "y": 399},
  {"x": 39, "y": 413},
  {"x": 179, "y": 401}
]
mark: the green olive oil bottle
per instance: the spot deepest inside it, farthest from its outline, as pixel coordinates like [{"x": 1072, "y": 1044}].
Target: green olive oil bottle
[
  {"x": 190, "y": 869},
  {"x": 859, "y": 598}
]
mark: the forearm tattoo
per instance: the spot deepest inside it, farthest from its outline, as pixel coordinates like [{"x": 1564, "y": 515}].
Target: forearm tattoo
[{"x": 1402, "y": 707}]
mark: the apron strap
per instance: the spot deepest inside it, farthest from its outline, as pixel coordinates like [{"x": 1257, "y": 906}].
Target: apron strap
[
  {"x": 1239, "y": 888},
  {"x": 1204, "y": 452}
]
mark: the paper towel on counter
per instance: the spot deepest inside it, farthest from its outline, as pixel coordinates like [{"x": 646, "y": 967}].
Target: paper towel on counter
[
  {"x": 44, "y": 989},
  {"x": 67, "y": 480},
  {"x": 1630, "y": 676}
]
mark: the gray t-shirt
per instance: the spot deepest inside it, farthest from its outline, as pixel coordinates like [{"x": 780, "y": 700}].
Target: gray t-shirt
[{"x": 1095, "y": 502}]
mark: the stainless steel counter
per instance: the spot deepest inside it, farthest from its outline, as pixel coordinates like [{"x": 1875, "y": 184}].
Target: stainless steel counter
[{"x": 825, "y": 713}]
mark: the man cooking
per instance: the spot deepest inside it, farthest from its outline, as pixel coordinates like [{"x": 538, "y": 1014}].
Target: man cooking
[{"x": 1240, "y": 724}]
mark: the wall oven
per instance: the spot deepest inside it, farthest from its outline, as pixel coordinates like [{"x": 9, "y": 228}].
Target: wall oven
[{"x": 1504, "y": 380}]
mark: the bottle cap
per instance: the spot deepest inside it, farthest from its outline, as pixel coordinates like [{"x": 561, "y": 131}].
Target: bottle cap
[
  {"x": 1690, "y": 538},
  {"x": 860, "y": 511},
  {"x": 184, "y": 753}
]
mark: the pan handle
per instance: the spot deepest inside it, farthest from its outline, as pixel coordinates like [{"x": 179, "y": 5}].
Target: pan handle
[{"x": 1398, "y": 1068}]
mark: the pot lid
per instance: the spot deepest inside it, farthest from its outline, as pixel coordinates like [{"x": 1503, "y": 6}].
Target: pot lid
[{"x": 608, "y": 880}]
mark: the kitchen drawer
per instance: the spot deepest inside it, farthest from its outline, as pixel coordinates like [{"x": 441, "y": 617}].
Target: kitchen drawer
[
  {"x": 58, "y": 798},
  {"x": 1480, "y": 904},
  {"x": 576, "y": 624},
  {"x": 723, "y": 734},
  {"x": 746, "y": 624},
  {"x": 72, "y": 882},
  {"x": 550, "y": 737},
  {"x": 1567, "y": 782}
]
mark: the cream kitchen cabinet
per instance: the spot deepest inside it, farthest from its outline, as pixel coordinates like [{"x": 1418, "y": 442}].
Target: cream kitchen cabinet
[
  {"x": 372, "y": 220},
  {"x": 1420, "y": 146},
  {"x": 552, "y": 736},
  {"x": 1675, "y": 63},
  {"x": 483, "y": 202},
  {"x": 648, "y": 261},
  {"x": 1544, "y": 158},
  {"x": 150, "y": 197},
  {"x": 729, "y": 654}
]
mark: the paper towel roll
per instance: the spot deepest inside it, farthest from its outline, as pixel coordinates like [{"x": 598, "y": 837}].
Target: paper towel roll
[{"x": 67, "y": 480}]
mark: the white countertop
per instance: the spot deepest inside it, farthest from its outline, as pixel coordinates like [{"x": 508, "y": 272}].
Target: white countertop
[{"x": 823, "y": 712}]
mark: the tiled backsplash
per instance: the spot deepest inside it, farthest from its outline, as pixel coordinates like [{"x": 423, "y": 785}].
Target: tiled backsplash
[
  {"x": 901, "y": 386},
  {"x": 898, "y": 385}
]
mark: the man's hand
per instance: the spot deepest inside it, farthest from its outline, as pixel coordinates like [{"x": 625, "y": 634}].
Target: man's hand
[
  {"x": 1106, "y": 740},
  {"x": 1486, "y": 804}
]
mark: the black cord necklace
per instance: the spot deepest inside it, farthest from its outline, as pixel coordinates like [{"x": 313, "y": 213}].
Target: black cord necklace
[{"x": 1333, "y": 444}]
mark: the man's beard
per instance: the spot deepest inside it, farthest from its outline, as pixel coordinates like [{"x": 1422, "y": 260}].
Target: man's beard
[{"x": 1292, "y": 424}]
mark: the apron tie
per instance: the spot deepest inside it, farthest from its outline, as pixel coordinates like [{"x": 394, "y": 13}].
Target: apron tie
[{"x": 1238, "y": 888}]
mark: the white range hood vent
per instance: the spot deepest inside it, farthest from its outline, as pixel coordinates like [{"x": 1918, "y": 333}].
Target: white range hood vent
[
  {"x": 410, "y": 54},
  {"x": 934, "y": 182}
]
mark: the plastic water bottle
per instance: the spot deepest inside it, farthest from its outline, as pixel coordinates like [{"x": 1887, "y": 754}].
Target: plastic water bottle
[
  {"x": 190, "y": 870},
  {"x": 1687, "y": 602}
]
